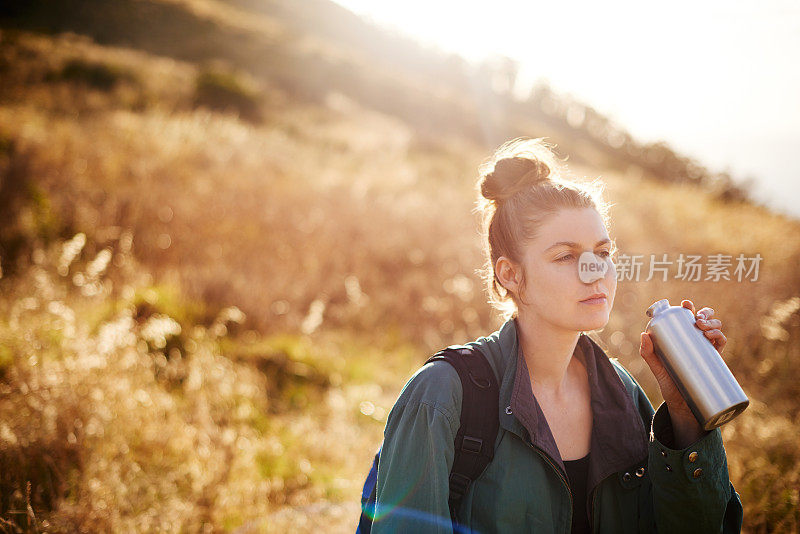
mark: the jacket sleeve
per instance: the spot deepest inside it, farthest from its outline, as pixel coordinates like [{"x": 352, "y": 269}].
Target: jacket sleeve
[
  {"x": 692, "y": 491},
  {"x": 417, "y": 454}
]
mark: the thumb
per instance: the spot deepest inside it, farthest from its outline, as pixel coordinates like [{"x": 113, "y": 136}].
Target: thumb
[
  {"x": 647, "y": 344},
  {"x": 649, "y": 355},
  {"x": 647, "y": 351}
]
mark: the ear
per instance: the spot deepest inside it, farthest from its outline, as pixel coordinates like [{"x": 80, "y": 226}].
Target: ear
[{"x": 508, "y": 274}]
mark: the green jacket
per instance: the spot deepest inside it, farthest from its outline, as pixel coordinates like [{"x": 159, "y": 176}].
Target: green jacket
[{"x": 637, "y": 482}]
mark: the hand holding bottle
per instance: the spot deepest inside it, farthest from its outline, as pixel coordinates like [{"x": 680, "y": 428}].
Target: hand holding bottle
[{"x": 685, "y": 422}]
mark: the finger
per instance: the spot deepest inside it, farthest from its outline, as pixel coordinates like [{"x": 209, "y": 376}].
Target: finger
[
  {"x": 713, "y": 333},
  {"x": 717, "y": 338},
  {"x": 688, "y": 304},
  {"x": 648, "y": 353},
  {"x": 646, "y": 345},
  {"x": 653, "y": 361},
  {"x": 721, "y": 342},
  {"x": 704, "y": 324},
  {"x": 706, "y": 312}
]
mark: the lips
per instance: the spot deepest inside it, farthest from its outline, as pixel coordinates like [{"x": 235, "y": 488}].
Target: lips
[{"x": 596, "y": 296}]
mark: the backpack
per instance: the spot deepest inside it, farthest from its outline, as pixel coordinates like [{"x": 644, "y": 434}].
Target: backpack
[{"x": 474, "y": 442}]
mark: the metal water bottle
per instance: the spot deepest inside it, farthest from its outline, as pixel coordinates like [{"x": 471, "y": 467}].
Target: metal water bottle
[{"x": 700, "y": 373}]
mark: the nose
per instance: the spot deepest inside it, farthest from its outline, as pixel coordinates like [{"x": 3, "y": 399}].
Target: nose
[
  {"x": 593, "y": 278},
  {"x": 591, "y": 268}
]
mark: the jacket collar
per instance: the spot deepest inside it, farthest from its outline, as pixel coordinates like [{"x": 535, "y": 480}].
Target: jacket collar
[{"x": 618, "y": 440}]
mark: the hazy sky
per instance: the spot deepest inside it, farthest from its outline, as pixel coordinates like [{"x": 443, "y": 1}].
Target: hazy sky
[{"x": 717, "y": 80}]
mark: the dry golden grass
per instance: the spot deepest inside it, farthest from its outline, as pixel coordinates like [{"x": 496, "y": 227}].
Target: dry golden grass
[
  {"x": 348, "y": 244},
  {"x": 305, "y": 182},
  {"x": 123, "y": 419}
]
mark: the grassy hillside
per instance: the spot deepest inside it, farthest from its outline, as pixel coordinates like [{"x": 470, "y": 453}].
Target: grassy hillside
[
  {"x": 315, "y": 49},
  {"x": 220, "y": 263}
]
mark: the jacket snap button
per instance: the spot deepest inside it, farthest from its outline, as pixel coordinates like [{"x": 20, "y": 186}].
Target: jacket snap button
[
  {"x": 640, "y": 472},
  {"x": 692, "y": 456},
  {"x": 669, "y": 468},
  {"x": 664, "y": 454},
  {"x": 697, "y": 473},
  {"x": 508, "y": 410},
  {"x": 626, "y": 477}
]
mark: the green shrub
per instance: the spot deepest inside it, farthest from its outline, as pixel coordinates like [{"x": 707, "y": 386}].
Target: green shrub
[
  {"x": 100, "y": 76},
  {"x": 224, "y": 91}
]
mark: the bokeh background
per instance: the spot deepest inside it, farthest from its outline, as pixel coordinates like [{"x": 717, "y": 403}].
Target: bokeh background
[{"x": 230, "y": 230}]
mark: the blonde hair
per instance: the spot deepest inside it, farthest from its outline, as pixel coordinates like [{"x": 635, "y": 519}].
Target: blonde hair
[{"x": 519, "y": 187}]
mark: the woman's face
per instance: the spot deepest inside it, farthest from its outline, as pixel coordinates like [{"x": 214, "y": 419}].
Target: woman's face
[{"x": 554, "y": 288}]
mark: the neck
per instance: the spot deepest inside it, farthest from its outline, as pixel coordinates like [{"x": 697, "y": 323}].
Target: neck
[{"x": 547, "y": 351}]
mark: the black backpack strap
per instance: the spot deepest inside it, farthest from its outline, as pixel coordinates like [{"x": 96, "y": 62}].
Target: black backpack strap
[{"x": 474, "y": 442}]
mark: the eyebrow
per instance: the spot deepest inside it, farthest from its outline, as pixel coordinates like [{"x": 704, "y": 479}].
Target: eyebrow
[{"x": 572, "y": 244}]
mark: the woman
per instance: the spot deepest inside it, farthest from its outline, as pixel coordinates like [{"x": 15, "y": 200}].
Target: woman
[{"x": 580, "y": 447}]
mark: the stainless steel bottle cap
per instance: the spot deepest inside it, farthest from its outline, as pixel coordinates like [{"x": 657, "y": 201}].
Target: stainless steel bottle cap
[{"x": 657, "y": 307}]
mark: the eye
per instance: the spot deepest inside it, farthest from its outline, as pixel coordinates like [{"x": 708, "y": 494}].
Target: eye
[
  {"x": 605, "y": 253},
  {"x": 562, "y": 258}
]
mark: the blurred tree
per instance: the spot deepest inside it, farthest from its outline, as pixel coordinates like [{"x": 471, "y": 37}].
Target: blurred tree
[{"x": 502, "y": 72}]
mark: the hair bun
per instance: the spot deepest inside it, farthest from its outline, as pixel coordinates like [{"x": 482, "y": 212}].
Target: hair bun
[{"x": 511, "y": 175}]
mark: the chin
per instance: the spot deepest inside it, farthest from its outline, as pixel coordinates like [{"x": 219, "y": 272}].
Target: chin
[
  {"x": 598, "y": 320},
  {"x": 588, "y": 327}
]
